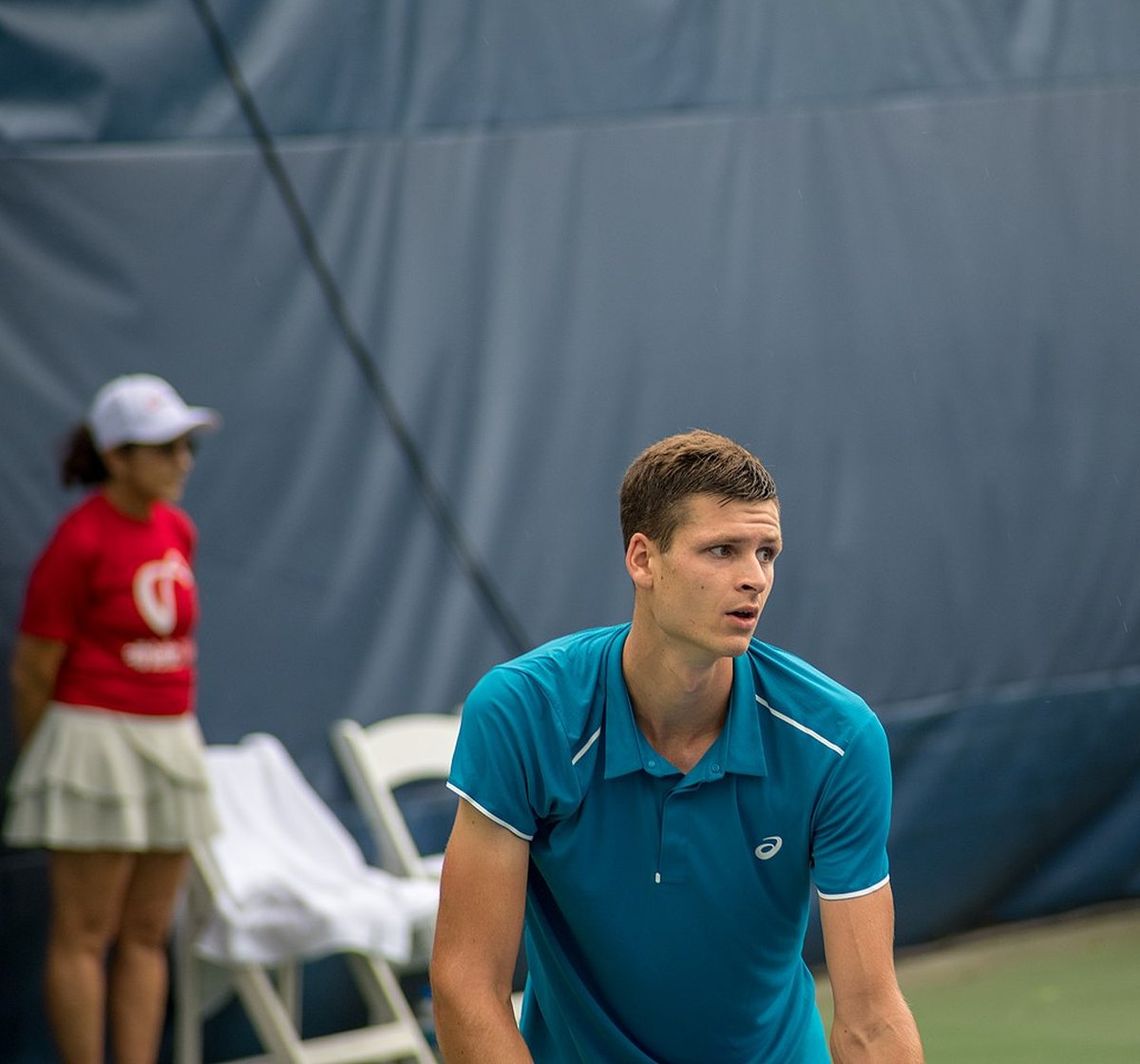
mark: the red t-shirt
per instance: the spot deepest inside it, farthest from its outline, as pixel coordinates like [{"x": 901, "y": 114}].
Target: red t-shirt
[{"x": 120, "y": 592}]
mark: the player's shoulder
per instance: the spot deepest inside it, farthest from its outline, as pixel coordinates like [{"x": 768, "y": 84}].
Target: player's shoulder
[
  {"x": 795, "y": 692},
  {"x": 569, "y": 658},
  {"x": 562, "y": 678},
  {"x": 563, "y": 668}
]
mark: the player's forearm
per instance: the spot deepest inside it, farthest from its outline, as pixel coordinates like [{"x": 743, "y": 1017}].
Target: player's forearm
[{"x": 475, "y": 1027}]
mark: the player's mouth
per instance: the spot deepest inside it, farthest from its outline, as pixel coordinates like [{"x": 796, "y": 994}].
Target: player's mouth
[{"x": 746, "y": 615}]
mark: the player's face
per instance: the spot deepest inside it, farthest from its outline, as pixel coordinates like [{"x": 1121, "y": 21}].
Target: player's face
[
  {"x": 147, "y": 473},
  {"x": 710, "y": 587}
]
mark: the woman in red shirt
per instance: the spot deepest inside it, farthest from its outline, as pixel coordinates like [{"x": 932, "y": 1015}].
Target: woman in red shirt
[{"x": 111, "y": 777}]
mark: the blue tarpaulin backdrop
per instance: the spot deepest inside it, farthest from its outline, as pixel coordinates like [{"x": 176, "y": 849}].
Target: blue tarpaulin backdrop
[{"x": 445, "y": 268}]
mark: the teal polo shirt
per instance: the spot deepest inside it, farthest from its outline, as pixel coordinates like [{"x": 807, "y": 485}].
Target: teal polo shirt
[{"x": 666, "y": 912}]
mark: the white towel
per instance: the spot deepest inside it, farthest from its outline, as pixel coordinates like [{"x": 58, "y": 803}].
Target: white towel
[{"x": 296, "y": 885}]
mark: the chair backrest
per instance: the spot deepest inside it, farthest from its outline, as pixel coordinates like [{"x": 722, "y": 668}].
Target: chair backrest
[
  {"x": 284, "y": 881},
  {"x": 275, "y": 827},
  {"x": 285, "y": 878},
  {"x": 381, "y": 757}
]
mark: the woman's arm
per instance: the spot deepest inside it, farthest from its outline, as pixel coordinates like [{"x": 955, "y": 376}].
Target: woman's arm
[{"x": 35, "y": 666}]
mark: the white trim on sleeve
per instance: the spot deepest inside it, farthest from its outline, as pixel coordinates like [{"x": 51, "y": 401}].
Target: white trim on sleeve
[
  {"x": 855, "y": 893},
  {"x": 489, "y": 815}
]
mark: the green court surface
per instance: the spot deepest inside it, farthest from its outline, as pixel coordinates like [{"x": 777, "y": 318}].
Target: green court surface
[{"x": 1063, "y": 991}]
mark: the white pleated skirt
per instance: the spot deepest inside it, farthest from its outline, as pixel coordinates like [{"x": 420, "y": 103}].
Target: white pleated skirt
[{"x": 93, "y": 779}]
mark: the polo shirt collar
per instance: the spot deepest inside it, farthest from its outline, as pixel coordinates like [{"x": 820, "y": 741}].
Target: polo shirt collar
[
  {"x": 743, "y": 743},
  {"x": 740, "y": 741}
]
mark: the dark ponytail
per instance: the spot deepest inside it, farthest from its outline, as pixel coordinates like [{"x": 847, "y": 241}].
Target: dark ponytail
[{"x": 82, "y": 463}]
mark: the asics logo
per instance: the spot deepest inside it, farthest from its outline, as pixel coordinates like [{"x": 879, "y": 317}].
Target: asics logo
[{"x": 769, "y": 847}]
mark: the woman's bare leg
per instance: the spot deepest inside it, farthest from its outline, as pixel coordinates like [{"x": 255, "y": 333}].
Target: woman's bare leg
[
  {"x": 87, "y": 893},
  {"x": 139, "y": 975}
]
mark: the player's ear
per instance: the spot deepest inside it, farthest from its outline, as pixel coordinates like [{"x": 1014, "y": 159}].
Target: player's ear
[{"x": 639, "y": 559}]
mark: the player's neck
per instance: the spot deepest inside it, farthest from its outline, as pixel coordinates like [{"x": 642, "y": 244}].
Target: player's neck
[{"x": 679, "y": 706}]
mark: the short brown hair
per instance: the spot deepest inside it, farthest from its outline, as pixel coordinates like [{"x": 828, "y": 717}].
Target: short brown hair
[{"x": 698, "y": 462}]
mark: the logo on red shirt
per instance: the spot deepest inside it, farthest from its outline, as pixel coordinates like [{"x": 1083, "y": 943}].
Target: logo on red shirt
[{"x": 154, "y": 592}]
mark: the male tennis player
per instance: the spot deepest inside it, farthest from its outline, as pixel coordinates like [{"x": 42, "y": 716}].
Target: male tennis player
[{"x": 657, "y": 799}]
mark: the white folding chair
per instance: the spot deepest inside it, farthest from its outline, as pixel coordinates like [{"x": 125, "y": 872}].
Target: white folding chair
[
  {"x": 248, "y": 915},
  {"x": 380, "y": 758}
]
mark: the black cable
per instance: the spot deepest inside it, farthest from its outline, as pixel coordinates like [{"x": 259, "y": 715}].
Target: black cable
[{"x": 432, "y": 496}]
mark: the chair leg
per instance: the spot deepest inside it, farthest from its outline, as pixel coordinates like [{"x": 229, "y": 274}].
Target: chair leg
[
  {"x": 289, "y": 991},
  {"x": 187, "y": 992},
  {"x": 386, "y": 1002},
  {"x": 271, "y": 1019}
]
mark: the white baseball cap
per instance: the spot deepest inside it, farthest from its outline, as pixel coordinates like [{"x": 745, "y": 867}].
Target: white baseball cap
[{"x": 143, "y": 408}]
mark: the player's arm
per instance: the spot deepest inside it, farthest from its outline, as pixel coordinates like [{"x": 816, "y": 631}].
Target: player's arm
[
  {"x": 34, "y": 668},
  {"x": 478, "y": 930},
  {"x": 872, "y": 1021}
]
